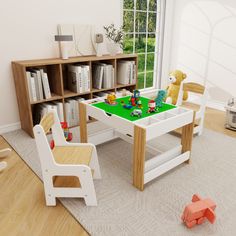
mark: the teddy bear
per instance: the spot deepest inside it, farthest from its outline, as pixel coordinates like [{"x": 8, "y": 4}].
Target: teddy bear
[{"x": 175, "y": 78}]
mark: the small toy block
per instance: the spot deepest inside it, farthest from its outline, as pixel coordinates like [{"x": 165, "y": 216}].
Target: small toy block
[
  {"x": 199, "y": 210},
  {"x": 5, "y": 152},
  {"x": 3, "y": 165}
]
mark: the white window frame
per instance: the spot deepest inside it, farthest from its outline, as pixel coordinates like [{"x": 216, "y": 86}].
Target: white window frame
[{"x": 158, "y": 53}]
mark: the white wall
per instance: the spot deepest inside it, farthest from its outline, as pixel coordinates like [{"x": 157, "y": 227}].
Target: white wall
[
  {"x": 27, "y": 32},
  {"x": 204, "y": 44}
]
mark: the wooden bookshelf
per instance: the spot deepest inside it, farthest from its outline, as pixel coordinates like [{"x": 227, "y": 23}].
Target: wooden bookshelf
[{"x": 55, "y": 68}]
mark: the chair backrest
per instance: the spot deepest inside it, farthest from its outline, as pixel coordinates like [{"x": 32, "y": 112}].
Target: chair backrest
[
  {"x": 49, "y": 122},
  {"x": 193, "y": 87}
]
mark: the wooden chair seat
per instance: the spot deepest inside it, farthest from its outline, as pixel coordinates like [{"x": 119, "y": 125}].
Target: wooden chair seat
[{"x": 72, "y": 155}]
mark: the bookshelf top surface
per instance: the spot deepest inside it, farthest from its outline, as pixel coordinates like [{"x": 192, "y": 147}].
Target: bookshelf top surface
[{"x": 53, "y": 61}]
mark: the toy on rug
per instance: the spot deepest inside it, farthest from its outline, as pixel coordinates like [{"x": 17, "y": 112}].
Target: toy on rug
[
  {"x": 176, "y": 77},
  {"x": 67, "y": 134},
  {"x": 199, "y": 210},
  {"x": 111, "y": 99},
  {"x": 4, "y": 153},
  {"x": 126, "y": 106},
  {"x": 136, "y": 112},
  {"x": 134, "y": 98},
  {"x": 151, "y": 106},
  {"x": 161, "y": 95}
]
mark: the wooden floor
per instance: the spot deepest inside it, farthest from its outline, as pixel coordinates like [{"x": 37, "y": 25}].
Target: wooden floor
[{"x": 22, "y": 204}]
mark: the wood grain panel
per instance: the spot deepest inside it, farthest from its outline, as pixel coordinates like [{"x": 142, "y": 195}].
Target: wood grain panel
[
  {"x": 193, "y": 87},
  {"x": 83, "y": 123},
  {"x": 23, "y": 99},
  {"x": 139, "y": 157}
]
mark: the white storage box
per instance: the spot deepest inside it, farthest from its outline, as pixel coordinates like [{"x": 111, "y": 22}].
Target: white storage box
[{"x": 231, "y": 114}]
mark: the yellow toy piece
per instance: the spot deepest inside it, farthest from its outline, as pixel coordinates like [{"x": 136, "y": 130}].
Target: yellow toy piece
[
  {"x": 111, "y": 99},
  {"x": 176, "y": 77}
]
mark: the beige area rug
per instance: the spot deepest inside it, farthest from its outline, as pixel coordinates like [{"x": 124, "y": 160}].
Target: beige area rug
[{"x": 123, "y": 210}]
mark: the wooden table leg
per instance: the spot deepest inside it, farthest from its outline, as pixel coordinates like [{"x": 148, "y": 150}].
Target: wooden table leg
[
  {"x": 83, "y": 123},
  {"x": 139, "y": 157},
  {"x": 187, "y": 137}
]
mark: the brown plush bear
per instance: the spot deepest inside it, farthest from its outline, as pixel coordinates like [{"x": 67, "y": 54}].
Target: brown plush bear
[{"x": 176, "y": 77}]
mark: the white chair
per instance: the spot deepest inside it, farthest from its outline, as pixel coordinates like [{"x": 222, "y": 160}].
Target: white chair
[
  {"x": 66, "y": 160},
  {"x": 198, "y": 105}
]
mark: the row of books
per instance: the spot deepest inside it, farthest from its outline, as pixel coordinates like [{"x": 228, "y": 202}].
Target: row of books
[
  {"x": 126, "y": 72},
  {"x": 103, "y": 76},
  {"x": 43, "y": 108},
  {"x": 71, "y": 110},
  {"x": 38, "y": 84},
  {"x": 79, "y": 78}
]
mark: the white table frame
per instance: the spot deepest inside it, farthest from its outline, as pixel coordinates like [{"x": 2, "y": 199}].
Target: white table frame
[{"x": 139, "y": 133}]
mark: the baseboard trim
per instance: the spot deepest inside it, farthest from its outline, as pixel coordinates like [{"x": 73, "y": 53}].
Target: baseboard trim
[{"x": 9, "y": 127}]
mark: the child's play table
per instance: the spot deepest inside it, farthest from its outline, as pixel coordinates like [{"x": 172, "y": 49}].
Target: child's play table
[{"x": 140, "y": 130}]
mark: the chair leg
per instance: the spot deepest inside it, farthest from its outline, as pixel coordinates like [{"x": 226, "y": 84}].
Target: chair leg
[
  {"x": 94, "y": 164},
  {"x": 87, "y": 186},
  {"x": 200, "y": 127},
  {"x": 90, "y": 200},
  {"x": 48, "y": 188},
  {"x": 50, "y": 200}
]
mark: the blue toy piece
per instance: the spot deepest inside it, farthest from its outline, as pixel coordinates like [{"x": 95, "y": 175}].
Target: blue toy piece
[
  {"x": 160, "y": 97},
  {"x": 127, "y": 106},
  {"x": 136, "y": 94}
]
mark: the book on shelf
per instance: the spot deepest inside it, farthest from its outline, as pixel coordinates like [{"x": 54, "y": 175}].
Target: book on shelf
[
  {"x": 38, "y": 85},
  {"x": 31, "y": 87},
  {"x": 46, "y": 87},
  {"x": 103, "y": 76},
  {"x": 86, "y": 78},
  {"x": 79, "y": 78},
  {"x": 126, "y": 72},
  {"x": 97, "y": 76},
  {"x": 72, "y": 111},
  {"x": 43, "y": 108},
  {"x": 59, "y": 106}
]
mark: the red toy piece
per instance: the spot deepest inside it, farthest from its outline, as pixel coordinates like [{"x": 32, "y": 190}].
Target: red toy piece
[
  {"x": 197, "y": 211},
  {"x": 67, "y": 134},
  {"x": 151, "y": 106},
  {"x": 133, "y": 101}
]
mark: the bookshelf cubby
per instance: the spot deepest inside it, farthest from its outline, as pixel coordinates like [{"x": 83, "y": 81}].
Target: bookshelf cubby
[{"x": 56, "y": 70}]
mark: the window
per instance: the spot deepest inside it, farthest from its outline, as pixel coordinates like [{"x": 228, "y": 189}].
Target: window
[{"x": 141, "y": 23}]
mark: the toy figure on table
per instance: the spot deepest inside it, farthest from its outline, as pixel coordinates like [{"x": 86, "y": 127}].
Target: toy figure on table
[
  {"x": 136, "y": 112},
  {"x": 151, "y": 106},
  {"x": 126, "y": 106},
  {"x": 161, "y": 95},
  {"x": 134, "y": 98},
  {"x": 111, "y": 99}
]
